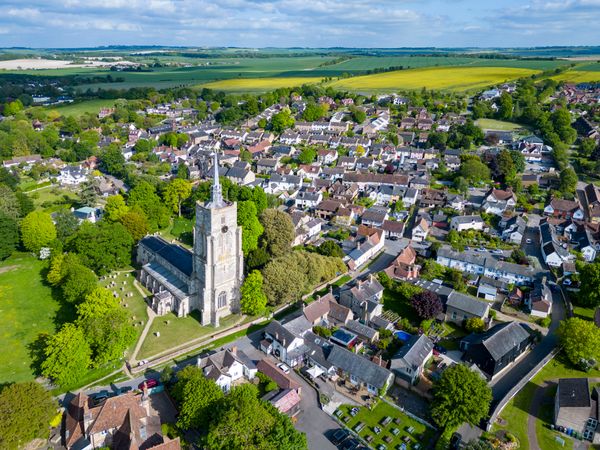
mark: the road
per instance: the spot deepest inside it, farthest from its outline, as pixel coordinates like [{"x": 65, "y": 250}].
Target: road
[{"x": 312, "y": 420}]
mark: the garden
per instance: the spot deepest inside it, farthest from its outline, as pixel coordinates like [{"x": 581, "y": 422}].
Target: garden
[{"x": 385, "y": 426}]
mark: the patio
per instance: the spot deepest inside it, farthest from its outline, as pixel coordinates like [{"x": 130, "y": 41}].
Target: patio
[{"x": 354, "y": 392}]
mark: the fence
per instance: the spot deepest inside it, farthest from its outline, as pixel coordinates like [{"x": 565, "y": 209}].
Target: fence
[{"x": 517, "y": 387}]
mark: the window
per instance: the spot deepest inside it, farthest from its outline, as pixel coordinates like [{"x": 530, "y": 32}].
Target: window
[{"x": 222, "y": 300}]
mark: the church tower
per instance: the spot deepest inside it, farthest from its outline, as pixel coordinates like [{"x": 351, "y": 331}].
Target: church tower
[{"x": 218, "y": 259}]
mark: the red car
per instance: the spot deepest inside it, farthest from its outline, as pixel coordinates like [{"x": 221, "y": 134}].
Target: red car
[{"x": 149, "y": 383}]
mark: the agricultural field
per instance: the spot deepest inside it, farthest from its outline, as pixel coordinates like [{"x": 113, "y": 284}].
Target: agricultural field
[
  {"x": 588, "y": 66},
  {"x": 87, "y": 106},
  {"x": 459, "y": 79},
  {"x": 258, "y": 84},
  {"x": 578, "y": 76},
  {"x": 29, "y": 308}
]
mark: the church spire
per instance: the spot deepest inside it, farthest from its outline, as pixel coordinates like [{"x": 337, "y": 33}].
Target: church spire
[{"x": 216, "y": 195}]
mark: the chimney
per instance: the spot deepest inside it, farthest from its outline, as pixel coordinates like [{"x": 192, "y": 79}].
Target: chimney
[{"x": 234, "y": 349}]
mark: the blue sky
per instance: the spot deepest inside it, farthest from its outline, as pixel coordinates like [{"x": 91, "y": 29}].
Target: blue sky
[{"x": 306, "y": 23}]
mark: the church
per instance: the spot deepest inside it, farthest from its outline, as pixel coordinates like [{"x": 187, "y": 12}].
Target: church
[{"x": 209, "y": 277}]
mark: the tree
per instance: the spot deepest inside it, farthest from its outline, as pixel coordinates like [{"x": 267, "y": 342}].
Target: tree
[
  {"x": 358, "y": 115},
  {"x": 459, "y": 396},
  {"x": 505, "y": 106},
  {"x": 102, "y": 247},
  {"x": 243, "y": 421},
  {"x": 589, "y": 289},
  {"x": 282, "y": 121},
  {"x": 66, "y": 224},
  {"x": 176, "y": 192},
  {"x": 67, "y": 356},
  {"x": 13, "y": 108},
  {"x": 9, "y": 203},
  {"x": 166, "y": 375},
  {"x": 474, "y": 170},
  {"x": 580, "y": 340},
  {"x": 136, "y": 224},
  {"x": 330, "y": 248},
  {"x": 112, "y": 161},
  {"x": 197, "y": 397},
  {"x": 247, "y": 218},
  {"x": 115, "y": 208},
  {"x": 78, "y": 282},
  {"x": 427, "y": 304},
  {"x": 25, "y": 412},
  {"x": 313, "y": 112},
  {"x": 37, "y": 231},
  {"x": 506, "y": 165},
  {"x": 254, "y": 300},
  {"x": 106, "y": 326},
  {"x": 278, "y": 233},
  {"x": 586, "y": 147},
  {"x": 475, "y": 325},
  {"x": 307, "y": 155},
  {"x": 568, "y": 180},
  {"x": 87, "y": 194},
  {"x": 9, "y": 235},
  {"x": 144, "y": 196}
]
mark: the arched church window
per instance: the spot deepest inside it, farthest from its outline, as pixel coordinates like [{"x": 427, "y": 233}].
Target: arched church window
[{"x": 222, "y": 300}]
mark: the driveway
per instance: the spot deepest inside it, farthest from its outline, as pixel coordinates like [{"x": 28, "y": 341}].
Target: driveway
[
  {"x": 312, "y": 420},
  {"x": 539, "y": 352}
]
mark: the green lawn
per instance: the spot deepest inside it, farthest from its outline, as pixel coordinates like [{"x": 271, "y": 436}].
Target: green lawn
[
  {"x": 135, "y": 304},
  {"x": 180, "y": 229},
  {"x": 516, "y": 412},
  {"x": 499, "y": 125},
  {"x": 28, "y": 309},
  {"x": 451, "y": 335},
  {"x": 372, "y": 418},
  {"x": 395, "y": 303},
  {"x": 176, "y": 331},
  {"x": 52, "y": 198},
  {"x": 584, "y": 313}
]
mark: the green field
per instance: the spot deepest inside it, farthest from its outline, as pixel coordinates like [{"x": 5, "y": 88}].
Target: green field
[
  {"x": 176, "y": 331},
  {"x": 258, "y": 84},
  {"x": 574, "y": 76},
  {"x": 52, "y": 198},
  {"x": 459, "y": 79},
  {"x": 28, "y": 309},
  {"x": 87, "y": 106},
  {"x": 588, "y": 66},
  {"x": 499, "y": 125}
]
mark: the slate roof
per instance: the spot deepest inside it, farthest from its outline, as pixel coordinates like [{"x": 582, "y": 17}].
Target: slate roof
[
  {"x": 177, "y": 256},
  {"x": 573, "y": 393},
  {"x": 317, "y": 309},
  {"x": 358, "y": 366},
  {"x": 413, "y": 353},
  {"x": 280, "y": 333},
  {"x": 501, "y": 338},
  {"x": 467, "y": 304},
  {"x": 362, "y": 330}
]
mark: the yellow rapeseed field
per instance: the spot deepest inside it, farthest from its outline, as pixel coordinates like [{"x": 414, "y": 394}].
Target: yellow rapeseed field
[
  {"x": 575, "y": 76},
  {"x": 438, "y": 78},
  {"x": 258, "y": 84}
]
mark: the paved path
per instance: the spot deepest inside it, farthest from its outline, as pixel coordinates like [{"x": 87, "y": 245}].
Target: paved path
[
  {"x": 138, "y": 346},
  {"x": 534, "y": 412}
]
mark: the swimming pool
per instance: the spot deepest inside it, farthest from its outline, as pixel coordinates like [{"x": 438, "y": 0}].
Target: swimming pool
[{"x": 403, "y": 335}]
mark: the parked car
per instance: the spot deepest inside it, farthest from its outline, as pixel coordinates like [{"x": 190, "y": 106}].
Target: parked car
[
  {"x": 393, "y": 238},
  {"x": 455, "y": 441},
  {"x": 150, "y": 383},
  {"x": 124, "y": 389},
  {"x": 284, "y": 367},
  {"x": 349, "y": 444},
  {"x": 99, "y": 397},
  {"x": 567, "y": 282},
  {"x": 338, "y": 436}
]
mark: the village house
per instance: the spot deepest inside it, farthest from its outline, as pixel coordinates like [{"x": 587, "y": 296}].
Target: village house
[
  {"x": 461, "y": 307},
  {"x": 564, "y": 209},
  {"x": 368, "y": 243},
  {"x": 125, "y": 421},
  {"x": 227, "y": 367},
  {"x": 496, "y": 349},
  {"x": 498, "y": 201},
  {"x": 576, "y": 409},
  {"x": 462, "y": 223},
  {"x": 363, "y": 297},
  {"x": 404, "y": 267},
  {"x": 408, "y": 363}
]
